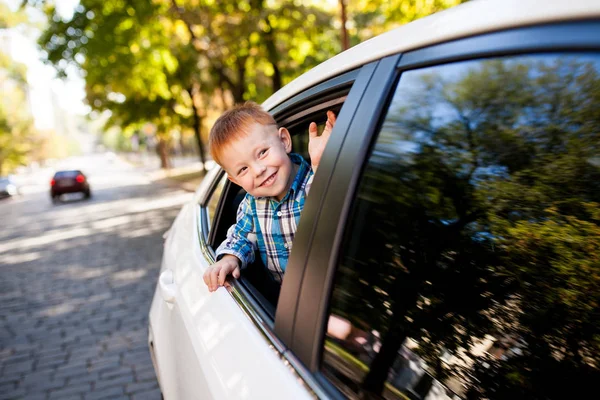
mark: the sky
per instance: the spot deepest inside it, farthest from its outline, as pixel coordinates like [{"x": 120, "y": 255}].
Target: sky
[{"x": 68, "y": 93}]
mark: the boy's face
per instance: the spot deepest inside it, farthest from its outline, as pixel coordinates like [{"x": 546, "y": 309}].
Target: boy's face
[{"x": 259, "y": 161}]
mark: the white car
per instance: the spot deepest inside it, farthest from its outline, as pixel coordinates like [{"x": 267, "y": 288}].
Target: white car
[{"x": 449, "y": 245}]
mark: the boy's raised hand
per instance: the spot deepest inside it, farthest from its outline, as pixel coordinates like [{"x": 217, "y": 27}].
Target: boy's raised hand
[
  {"x": 316, "y": 144},
  {"x": 215, "y": 275}
]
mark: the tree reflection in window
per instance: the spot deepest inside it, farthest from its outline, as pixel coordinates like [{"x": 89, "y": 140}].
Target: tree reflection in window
[{"x": 471, "y": 265}]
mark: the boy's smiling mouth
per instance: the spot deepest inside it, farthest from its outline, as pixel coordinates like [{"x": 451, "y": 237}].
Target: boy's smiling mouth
[{"x": 268, "y": 181}]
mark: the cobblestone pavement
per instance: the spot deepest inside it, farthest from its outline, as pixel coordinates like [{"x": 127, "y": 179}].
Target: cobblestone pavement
[{"x": 76, "y": 284}]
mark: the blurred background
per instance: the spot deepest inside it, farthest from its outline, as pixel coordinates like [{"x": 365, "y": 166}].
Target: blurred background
[{"x": 150, "y": 76}]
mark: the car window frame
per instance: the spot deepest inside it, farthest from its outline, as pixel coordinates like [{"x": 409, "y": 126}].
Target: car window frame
[
  {"x": 313, "y": 304},
  {"x": 209, "y": 224}
]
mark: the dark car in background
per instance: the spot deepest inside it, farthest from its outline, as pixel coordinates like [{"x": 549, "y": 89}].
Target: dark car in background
[{"x": 72, "y": 181}]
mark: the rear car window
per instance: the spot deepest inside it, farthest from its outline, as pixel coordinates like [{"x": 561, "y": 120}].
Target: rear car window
[
  {"x": 66, "y": 174},
  {"x": 470, "y": 266}
]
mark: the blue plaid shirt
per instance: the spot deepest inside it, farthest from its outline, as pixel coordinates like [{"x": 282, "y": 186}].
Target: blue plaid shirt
[{"x": 268, "y": 225}]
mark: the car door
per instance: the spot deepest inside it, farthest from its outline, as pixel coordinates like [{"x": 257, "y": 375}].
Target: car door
[
  {"x": 232, "y": 343},
  {"x": 445, "y": 262},
  {"x": 174, "y": 356}
]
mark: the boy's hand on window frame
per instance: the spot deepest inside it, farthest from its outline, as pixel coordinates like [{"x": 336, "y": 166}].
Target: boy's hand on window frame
[
  {"x": 215, "y": 275},
  {"x": 316, "y": 143}
]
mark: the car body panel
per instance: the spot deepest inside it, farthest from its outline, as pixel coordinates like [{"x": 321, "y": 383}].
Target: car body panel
[
  {"x": 203, "y": 343},
  {"x": 472, "y": 18}
]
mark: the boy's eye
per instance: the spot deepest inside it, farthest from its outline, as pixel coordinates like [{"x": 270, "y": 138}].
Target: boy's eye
[
  {"x": 242, "y": 170},
  {"x": 263, "y": 152}
]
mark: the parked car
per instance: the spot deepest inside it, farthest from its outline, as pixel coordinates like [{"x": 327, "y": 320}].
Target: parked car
[
  {"x": 449, "y": 245},
  {"x": 8, "y": 187},
  {"x": 70, "y": 181}
]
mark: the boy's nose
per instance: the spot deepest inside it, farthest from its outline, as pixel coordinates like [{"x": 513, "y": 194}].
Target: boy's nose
[{"x": 259, "y": 169}]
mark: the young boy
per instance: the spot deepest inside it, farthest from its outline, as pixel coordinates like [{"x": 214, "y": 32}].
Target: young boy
[{"x": 257, "y": 156}]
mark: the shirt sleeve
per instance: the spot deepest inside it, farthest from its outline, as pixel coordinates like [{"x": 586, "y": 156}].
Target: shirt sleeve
[{"x": 241, "y": 237}]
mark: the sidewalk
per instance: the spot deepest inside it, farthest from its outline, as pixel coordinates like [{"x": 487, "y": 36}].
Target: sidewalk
[{"x": 187, "y": 172}]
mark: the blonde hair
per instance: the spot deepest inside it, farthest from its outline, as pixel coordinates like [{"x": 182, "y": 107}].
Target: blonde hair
[{"x": 234, "y": 123}]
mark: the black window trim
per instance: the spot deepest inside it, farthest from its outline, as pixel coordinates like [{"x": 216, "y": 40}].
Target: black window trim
[
  {"x": 347, "y": 88},
  {"x": 322, "y": 260},
  {"x": 312, "y": 293}
]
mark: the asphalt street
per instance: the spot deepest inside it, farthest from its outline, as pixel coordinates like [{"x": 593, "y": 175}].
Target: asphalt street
[{"x": 76, "y": 283}]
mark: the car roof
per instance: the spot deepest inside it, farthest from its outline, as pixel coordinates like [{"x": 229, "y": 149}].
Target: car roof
[{"x": 474, "y": 17}]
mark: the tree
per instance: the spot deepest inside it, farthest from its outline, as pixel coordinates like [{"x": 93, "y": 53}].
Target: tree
[
  {"x": 17, "y": 134},
  {"x": 373, "y": 17},
  {"x": 344, "y": 28},
  {"x": 128, "y": 52}
]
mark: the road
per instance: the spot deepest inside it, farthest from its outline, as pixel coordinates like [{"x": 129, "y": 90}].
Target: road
[{"x": 77, "y": 279}]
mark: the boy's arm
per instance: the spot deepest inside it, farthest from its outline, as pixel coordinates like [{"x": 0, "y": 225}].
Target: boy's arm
[
  {"x": 316, "y": 144},
  {"x": 236, "y": 251}
]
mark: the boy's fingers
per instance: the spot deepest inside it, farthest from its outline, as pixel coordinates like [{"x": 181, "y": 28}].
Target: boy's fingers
[
  {"x": 236, "y": 272},
  {"x": 329, "y": 123},
  {"x": 223, "y": 275},
  {"x": 206, "y": 277},
  {"x": 214, "y": 279},
  {"x": 331, "y": 117},
  {"x": 312, "y": 130}
]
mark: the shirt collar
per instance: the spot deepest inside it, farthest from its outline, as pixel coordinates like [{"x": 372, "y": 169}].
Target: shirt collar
[
  {"x": 300, "y": 175},
  {"x": 303, "y": 170}
]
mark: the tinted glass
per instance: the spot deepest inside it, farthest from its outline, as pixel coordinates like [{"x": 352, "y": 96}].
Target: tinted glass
[
  {"x": 213, "y": 201},
  {"x": 66, "y": 174},
  {"x": 470, "y": 267}
]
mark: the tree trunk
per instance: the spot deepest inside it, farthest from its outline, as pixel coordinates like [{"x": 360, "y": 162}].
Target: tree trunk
[
  {"x": 396, "y": 335},
  {"x": 345, "y": 39},
  {"x": 162, "y": 149},
  {"x": 197, "y": 126},
  {"x": 240, "y": 86},
  {"x": 383, "y": 361},
  {"x": 424, "y": 385},
  {"x": 269, "y": 38},
  {"x": 270, "y": 43}
]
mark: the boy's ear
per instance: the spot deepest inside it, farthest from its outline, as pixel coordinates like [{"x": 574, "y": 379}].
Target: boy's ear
[
  {"x": 286, "y": 139},
  {"x": 233, "y": 180}
]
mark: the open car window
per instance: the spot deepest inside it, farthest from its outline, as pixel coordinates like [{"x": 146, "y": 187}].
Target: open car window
[{"x": 223, "y": 203}]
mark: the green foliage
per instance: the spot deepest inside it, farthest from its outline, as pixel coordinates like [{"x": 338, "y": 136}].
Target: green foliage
[
  {"x": 369, "y": 18},
  {"x": 17, "y": 135},
  {"x": 10, "y": 19},
  {"x": 179, "y": 63}
]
